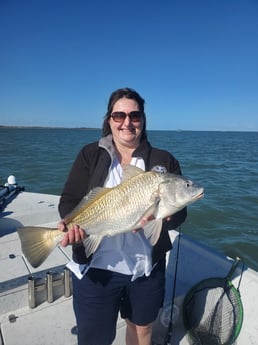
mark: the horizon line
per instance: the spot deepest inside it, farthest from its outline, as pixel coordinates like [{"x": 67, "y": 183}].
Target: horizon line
[{"x": 97, "y": 128}]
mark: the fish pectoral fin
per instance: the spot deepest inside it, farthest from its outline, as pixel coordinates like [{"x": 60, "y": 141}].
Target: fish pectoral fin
[
  {"x": 151, "y": 211},
  {"x": 91, "y": 244},
  {"x": 152, "y": 230}
]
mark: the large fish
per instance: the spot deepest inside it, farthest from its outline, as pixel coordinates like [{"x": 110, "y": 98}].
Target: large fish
[{"x": 112, "y": 211}]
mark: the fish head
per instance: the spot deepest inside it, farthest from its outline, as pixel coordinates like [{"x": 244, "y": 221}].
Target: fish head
[{"x": 175, "y": 193}]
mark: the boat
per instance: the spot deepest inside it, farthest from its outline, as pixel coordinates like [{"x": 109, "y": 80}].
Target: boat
[{"x": 36, "y": 304}]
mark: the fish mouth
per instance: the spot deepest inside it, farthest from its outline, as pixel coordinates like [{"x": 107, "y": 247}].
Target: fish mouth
[{"x": 199, "y": 196}]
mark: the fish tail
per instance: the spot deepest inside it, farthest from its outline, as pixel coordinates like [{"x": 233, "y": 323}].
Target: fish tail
[{"x": 37, "y": 243}]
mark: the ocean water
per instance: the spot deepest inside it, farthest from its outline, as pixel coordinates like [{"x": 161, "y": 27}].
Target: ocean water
[{"x": 224, "y": 163}]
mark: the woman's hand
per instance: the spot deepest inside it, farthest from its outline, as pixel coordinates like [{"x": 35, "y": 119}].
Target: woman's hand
[{"x": 73, "y": 235}]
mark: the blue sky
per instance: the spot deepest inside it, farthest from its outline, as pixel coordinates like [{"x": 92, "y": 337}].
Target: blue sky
[{"x": 195, "y": 62}]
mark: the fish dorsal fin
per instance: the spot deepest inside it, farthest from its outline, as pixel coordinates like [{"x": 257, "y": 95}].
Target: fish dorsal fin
[
  {"x": 95, "y": 194},
  {"x": 92, "y": 196},
  {"x": 130, "y": 171}
]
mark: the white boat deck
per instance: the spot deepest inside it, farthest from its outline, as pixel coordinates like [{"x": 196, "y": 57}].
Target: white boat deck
[
  {"x": 17, "y": 319},
  {"x": 51, "y": 323}
]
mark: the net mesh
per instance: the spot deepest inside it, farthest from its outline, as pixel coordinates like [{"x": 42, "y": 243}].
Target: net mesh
[{"x": 213, "y": 313}]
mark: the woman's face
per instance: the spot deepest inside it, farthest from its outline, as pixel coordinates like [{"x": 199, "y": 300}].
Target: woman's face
[{"x": 127, "y": 132}]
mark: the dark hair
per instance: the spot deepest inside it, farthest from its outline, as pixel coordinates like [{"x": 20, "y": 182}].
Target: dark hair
[{"x": 115, "y": 96}]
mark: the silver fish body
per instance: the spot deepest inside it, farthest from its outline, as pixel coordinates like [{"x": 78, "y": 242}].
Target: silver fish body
[{"x": 111, "y": 211}]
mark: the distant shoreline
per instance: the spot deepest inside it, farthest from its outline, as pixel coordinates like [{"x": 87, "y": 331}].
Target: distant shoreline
[
  {"x": 48, "y": 127},
  {"x": 149, "y": 130}
]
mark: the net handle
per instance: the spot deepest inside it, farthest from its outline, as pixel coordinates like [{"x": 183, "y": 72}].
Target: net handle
[{"x": 232, "y": 270}]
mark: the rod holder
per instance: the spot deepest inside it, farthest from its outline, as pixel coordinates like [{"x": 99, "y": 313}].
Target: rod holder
[
  {"x": 50, "y": 297},
  {"x": 35, "y": 285},
  {"x": 67, "y": 283},
  {"x": 53, "y": 286},
  {"x": 31, "y": 292}
]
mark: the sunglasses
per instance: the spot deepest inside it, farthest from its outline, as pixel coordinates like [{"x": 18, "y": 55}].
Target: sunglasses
[{"x": 120, "y": 116}]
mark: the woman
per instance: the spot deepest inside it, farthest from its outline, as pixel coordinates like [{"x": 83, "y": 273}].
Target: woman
[{"x": 125, "y": 274}]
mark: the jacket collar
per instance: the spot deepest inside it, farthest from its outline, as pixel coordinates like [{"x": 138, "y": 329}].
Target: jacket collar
[{"x": 143, "y": 150}]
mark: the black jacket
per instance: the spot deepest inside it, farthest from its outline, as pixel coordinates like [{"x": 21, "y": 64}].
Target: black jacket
[{"x": 90, "y": 170}]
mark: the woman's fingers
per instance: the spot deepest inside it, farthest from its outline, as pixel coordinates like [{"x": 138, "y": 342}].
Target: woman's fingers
[{"x": 72, "y": 235}]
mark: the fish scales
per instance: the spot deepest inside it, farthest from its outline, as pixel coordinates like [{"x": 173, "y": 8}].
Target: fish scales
[{"x": 106, "y": 215}]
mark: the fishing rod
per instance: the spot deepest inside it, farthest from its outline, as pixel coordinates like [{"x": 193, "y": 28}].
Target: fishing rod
[{"x": 167, "y": 340}]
